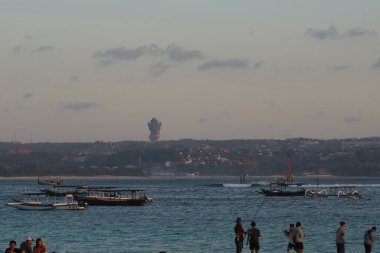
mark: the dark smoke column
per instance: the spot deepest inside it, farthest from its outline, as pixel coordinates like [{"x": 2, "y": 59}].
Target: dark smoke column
[{"x": 154, "y": 128}]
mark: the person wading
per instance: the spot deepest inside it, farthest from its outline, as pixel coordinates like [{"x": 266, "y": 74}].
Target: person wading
[
  {"x": 290, "y": 234},
  {"x": 239, "y": 235},
  {"x": 253, "y": 238},
  {"x": 340, "y": 238},
  {"x": 369, "y": 238}
]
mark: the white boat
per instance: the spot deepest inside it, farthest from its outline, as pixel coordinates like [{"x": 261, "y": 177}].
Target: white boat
[{"x": 47, "y": 205}]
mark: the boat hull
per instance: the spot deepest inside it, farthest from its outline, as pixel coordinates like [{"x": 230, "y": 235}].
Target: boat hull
[
  {"x": 237, "y": 185},
  {"x": 93, "y": 201},
  {"x": 282, "y": 193}
]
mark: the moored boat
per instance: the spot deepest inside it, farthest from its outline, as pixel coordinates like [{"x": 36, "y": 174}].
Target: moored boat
[{"x": 112, "y": 197}]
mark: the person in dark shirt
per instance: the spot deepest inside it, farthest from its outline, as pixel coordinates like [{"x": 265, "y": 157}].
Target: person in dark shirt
[
  {"x": 239, "y": 235},
  {"x": 369, "y": 238},
  {"x": 26, "y": 247},
  {"x": 340, "y": 238},
  {"x": 12, "y": 248},
  {"x": 253, "y": 238}
]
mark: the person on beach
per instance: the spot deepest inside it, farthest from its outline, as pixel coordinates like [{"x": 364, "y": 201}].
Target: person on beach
[
  {"x": 253, "y": 238},
  {"x": 239, "y": 235},
  {"x": 12, "y": 248},
  {"x": 40, "y": 246},
  {"x": 290, "y": 234},
  {"x": 369, "y": 238},
  {"x": 298, "y": 238},
  {"x": 340, "y": 238},
  {"x": 26, "y": 247}
]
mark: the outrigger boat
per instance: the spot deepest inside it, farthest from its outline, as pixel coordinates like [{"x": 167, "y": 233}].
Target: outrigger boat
[
  {"x": 47, "y": 205},
  {"x": 112, "y": 197},
  {"x": 50, "y": 181},
  {"x": 342, "y": 191}
]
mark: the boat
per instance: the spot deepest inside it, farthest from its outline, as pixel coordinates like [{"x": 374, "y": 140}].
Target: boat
[
  {"x": 242, "y": 183},
  {"x": 282, "y": 190},
  {"x": 341, "y": 191},
  {"x": 50, "y": 181},
  {"x": 95, "y": 196},
  {"x": 63, "y": 190},
  {"x": 288, "y": 179},
  {"x": 47, "y": 204}
]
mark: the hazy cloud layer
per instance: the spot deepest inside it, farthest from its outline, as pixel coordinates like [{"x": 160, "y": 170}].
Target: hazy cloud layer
[
  {"x": 78, "y": 106},
  {"x": 17, "y": 49},
  {"x": 45, "y": 50},
  {"x": 172, "y": 52},
  {"x": 202, "y": 121},
  {"x": 333, "y": 33},
  {"x": 158, "y": 69},
  {"x": 223, "y": 64},
  {"x": 341, "y": 67},
  {"x": 352, "y": 119},
  {"x": 258, "y": 65},
  {"x": 376, "y": 65},
  {"x": 27, "y": 95}
]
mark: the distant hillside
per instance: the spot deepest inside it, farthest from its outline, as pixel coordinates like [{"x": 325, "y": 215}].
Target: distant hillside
[{"x": 343, "y": 157}]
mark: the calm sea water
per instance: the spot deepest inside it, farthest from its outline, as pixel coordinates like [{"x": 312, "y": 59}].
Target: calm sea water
[{"x": 192, "y": 215}]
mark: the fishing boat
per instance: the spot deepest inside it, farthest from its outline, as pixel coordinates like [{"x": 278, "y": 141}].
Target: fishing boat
[
  {"x": 282, "y": 190},
  {"x": 288, "y": 179},
  {"x": 95, "y": 196},
  {"x": 47, "y": 204},
  {"x": 50, "y": 181},
  {"x": 242, "y": 183}
]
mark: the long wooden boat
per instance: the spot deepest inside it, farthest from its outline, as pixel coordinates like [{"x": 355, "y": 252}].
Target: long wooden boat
[
  {"x": 113, "y": 197},
  {"x": 276, "y": 189},
  {"x": 50, "y": 181}
]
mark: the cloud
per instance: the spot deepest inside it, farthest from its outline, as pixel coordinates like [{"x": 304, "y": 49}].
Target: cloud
[
  {"x": 45, "y": 50},
  {"x": 341, "y": 67},
  {"x": 28, "y": 95},
  {"x": 73, "y": 78},
  {"x": 376, "y": 65},
  {"x": 202, "y": 121},
  {"x": 333, "y": 33},
  {"x": 258, "y": 65},
  {"x": 27, "y": 37},
  {"x": 230, "y": 64},
  {"x": 330, "y": 33},
  {"x": 17, "y": 49},
  {"x": 172, "y": 52},
  {"x": 78, "y": 106},
  {"x": 158, "y": 69},
  {"x": 352, "y": 119}
]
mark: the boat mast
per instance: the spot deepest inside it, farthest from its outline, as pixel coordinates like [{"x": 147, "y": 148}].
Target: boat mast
[
  {"x": 242, "y": 174},
  {"x": 289, "y": 177}
]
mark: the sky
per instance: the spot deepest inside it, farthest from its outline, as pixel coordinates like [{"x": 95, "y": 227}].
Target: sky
[{"x": 87, "y": 70}]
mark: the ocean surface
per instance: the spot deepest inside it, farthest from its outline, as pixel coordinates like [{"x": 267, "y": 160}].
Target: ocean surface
[{"x": 192, "y": 215}]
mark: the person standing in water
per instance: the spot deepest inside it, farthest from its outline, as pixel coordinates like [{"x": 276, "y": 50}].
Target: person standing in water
[
  {"x": 340, "y": 238},
  {"x": 369, "y": 238},
  {"x": 298, "y": 238},
  {"x": 253, "y": 238},
  {"x": 290, "y": 234},
  {"x": 239, "y": 235}
]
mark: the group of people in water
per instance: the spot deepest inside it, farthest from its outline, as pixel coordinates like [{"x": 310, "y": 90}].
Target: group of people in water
[
  {"x": 296, "y": 236},
  {"x": 27, "y": 246}
]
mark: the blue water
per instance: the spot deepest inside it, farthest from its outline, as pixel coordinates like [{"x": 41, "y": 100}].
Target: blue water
[{"x": 192, "y": 215}]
